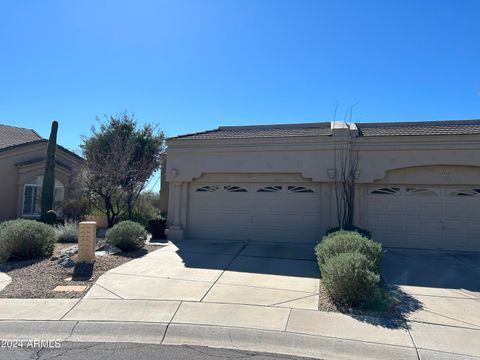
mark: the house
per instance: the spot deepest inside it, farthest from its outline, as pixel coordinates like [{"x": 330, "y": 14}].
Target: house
[
  {"x": 417, "y": 183},
  {"x": 22, "y": 164}
]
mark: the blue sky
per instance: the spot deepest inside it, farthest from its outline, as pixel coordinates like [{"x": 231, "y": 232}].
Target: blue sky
[{"x": 195, "y": 65}]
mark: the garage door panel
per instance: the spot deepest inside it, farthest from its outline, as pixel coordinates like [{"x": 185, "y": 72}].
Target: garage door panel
[
  {"x": 432, "y": 217},
  {"x": 279, "y": 212},
  {"x": 215, "y": 217},
  {"x": 394, "y": 206},
  {"x": 375, "y": 206}
]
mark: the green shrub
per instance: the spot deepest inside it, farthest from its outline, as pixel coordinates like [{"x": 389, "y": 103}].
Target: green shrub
[
  {"x": 127, "y": 236},
  {"x": 75, "y": 209},
  {"x": 25, "y": 239},
  {"x": 348, "y": 278},
  {"x": 348, "y": 242},
  {"x": 67, "y": 232},
  {"x": 361, "y": 231}
]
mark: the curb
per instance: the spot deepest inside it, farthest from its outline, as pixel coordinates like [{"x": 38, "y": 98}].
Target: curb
[{"x": 277, "y": 342}]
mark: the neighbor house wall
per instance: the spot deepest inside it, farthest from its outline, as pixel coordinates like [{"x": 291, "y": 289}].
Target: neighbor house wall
[{"x": 13, "y": 176}]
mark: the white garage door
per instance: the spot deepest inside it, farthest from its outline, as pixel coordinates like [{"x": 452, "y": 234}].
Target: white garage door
[
  {"x": 282, "y": 212},
  {"x": 430, "y": 217}
]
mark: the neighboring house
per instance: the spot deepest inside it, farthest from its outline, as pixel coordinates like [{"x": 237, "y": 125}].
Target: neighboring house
[
  {"x": 418, "y": 183},
  {"x": 22, "y": 164}
]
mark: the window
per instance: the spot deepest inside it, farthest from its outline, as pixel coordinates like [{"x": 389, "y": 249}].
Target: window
[
  {"x": 386, "y": 191},
  {"x": 32, "y": 194},
  {"x": 299, "y": 189},
  {"x": 234, "y": 188},
  {"x": 466, "y": 192},
  {"x": 207, "y": 188},
  {"x": 421, "y": 191},
  {"x": 270, "y": 189}
]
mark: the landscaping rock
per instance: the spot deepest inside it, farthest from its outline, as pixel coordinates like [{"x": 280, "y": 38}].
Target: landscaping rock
[
  {"x": 69, "y": 251},
  {"x": 66, "y": 262},
  {"x": 107, "y": 250}
]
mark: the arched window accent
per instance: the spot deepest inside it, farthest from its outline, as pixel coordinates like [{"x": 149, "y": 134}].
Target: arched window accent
[
  {"x": 234, "y": 188},
  {"x": 300, "y": 189},
  {"x": 207, "y": 188},
  {"x": 32, "y": 194},
  {"x": 421, "y": 191},
  {"x": 386, "y": 191},
  {"x": 465, "y": 192},
  {"x": 270, "y": 189}
]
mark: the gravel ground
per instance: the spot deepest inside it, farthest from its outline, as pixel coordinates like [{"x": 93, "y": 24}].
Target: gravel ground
[{"x": 37, "y": 278}]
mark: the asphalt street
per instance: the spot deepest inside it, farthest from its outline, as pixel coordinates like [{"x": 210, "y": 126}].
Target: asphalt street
[{"x": 129, "y": 351}]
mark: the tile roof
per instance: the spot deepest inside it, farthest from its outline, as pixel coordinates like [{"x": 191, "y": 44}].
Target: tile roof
[
  {"x": 425, "y": 128},
  {"x": 452, "y": 127},
  {"x": 12, "y": 136},
  {"x": 261, "y": 131}
]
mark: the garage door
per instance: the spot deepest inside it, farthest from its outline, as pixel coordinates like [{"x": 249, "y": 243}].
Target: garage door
[
  {"x": 281, "y": 212},
  {"x": 430, "y": 217}
]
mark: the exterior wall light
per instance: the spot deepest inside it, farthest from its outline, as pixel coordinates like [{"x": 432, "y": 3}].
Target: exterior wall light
[
  {"x": 331, "y": 173},
  {"x": 174, "y": 173}
]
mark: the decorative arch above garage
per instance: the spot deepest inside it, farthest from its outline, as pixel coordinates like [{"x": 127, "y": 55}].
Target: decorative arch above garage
[{"x": 435, "y": 174}]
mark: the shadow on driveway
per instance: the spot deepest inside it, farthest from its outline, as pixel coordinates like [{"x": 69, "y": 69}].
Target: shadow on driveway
[{"x": 433, "y": 269}]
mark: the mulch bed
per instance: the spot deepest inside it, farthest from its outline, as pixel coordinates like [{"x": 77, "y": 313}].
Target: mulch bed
[{"x": 37, "y": 278}]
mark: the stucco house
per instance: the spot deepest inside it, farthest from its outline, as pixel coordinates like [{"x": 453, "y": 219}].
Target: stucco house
[
  {"x": 22, "y": 163},
  {"x": 417, "y": 186}
]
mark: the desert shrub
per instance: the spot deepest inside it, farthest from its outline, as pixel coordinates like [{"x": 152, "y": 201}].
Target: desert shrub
[
  {"x": 26, "y": 239},
  {"x": 127, "y": 236},
  {"x": 361, "y": 231},
  {"x": 348, "y": 242},
  {"x": 348, "y": 278},
  {"x": 67, "y": 232},
  {"x": 75, "y": 209}
]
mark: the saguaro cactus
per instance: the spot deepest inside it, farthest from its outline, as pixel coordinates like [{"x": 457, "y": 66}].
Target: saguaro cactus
[{"x": 48, "y": 187}]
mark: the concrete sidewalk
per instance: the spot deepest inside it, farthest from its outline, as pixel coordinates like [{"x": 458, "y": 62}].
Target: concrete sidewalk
[{"x": 249, "y": 327}]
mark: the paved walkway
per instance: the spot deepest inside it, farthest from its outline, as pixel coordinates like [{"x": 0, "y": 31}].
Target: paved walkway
[
  {"x": 258, "y": 297},
  {"x": 4, "y": 280}
]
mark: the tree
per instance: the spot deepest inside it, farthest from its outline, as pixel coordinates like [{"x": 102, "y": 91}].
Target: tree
[
  {"x": 120, "y": 158},
  {"x": 345, "y": 159},
  {"x": 48, "y": 186}
]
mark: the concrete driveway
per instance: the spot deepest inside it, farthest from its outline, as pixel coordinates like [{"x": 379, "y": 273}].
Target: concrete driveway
[
  {"x": 264, "y": 274},
  {"x": 446, "y": 284}
]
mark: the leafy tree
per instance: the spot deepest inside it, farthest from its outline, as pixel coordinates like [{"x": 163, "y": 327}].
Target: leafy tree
[{"x": 121, "y": 156}]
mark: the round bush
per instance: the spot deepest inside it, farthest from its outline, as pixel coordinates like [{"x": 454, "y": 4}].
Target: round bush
[
  {"x": 348, "y": 242},
  {"x": 348, "y": 279},
  {"x": 26, "y": 239},
  {"x": 127, "y": 236},
  {"x": 361, "y": 231}
]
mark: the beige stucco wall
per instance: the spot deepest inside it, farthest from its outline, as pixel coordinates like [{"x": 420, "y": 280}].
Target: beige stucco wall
[
  {"x": 13, "y": 177},
  {"x": 431, "y": 160}
]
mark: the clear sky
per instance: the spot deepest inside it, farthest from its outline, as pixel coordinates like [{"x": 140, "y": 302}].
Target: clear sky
[{"x": 195, "y": 65}]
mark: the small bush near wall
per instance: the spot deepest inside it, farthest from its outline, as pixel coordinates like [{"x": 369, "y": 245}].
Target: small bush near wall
[
  {"x": 349, "y": 279},
  {"x": 25, "y": 239},
  {"x": 67, "y": 232},
  {"x": 348, "y": 242},
  {"x": 75, "y": 209},
  {"x": 361, "y": 231},
  {"x": 350, "y": 266},
  {"x": 127, "y": 236}
]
